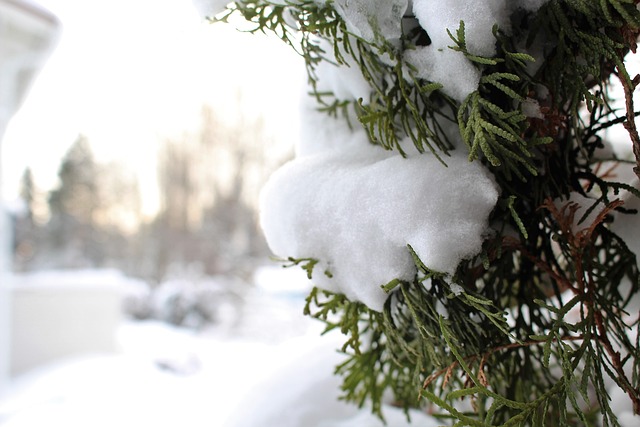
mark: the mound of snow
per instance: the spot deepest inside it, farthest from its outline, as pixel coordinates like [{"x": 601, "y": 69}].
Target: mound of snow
[{"x": 355, "y": 210}]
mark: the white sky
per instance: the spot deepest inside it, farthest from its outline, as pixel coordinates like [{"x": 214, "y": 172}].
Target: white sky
[{"x": 128, "y": 72}]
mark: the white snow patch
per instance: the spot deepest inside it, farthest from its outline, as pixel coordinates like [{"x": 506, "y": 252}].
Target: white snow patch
[
  {"x": 345, "y": 81},
  {"x": 321, "y": 132},
  {"x": 531, "y": 108},
  {"x": 356, "y": 209},
  {"x": 478, "y": 16},
  {"x": 529, "y": 5},
  {"x": 210, "y": 8},
  {"x": 458, "y": 76},
  {"x": 437, "y": 62},
  {"x": 303, "y": 392},
  {"x": 622, "y": 407},
  {"x": 164, "y": 377},
  {"x": 365, "y": 18},
  {"x": 170, "y": 377},
  {"x": 456, "y": 289}
]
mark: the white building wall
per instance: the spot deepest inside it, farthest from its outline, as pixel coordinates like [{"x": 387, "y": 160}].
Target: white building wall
[
  {"x": 27, "y": 36},
  {"x": 56, "y": 315}
]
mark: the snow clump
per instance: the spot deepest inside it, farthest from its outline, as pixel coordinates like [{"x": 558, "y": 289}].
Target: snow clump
[
  {"x": 457, "y": 75},
  {"x": 356, "y": 209},
  {"x": 437, "y": 62},
  {"x": 378, "y": 21},
  {"x": 367, "y": 18},
  {"x": 373, "y": 20}
]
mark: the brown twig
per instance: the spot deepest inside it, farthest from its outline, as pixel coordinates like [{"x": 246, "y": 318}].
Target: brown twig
[
  {"x": 630, "y": 123},
  {"x": 448, "y": 371},
  {"x": 616, "y": 363},
  {"x": 514, "y": 244},
  {"x": 578, "y": 243}
]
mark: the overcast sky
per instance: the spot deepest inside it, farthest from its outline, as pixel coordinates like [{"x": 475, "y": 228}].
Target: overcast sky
[{"x": 126, "y": 73}]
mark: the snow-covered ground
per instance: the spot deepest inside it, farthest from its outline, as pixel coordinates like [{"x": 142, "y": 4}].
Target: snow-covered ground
[
  {"x": 267, "y": 367},
  {"x": 161, "y": 377}
]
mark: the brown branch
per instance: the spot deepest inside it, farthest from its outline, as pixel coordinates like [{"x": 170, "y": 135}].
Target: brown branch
[
  {"x": 563, "y": 283},
  {"x": 630, "y": 123},
  {"x": 616, "y": 363},
  {"x": 582, "y": 239}
]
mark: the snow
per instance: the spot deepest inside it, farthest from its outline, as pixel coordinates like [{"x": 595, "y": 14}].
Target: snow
[
  {"x": 365, "y": 18},
  {"x": 321, "y": 132},
  {"x": 210, "y": 8},
  {"x": 85, "y": 304},
  {"x": 240, "y": 377},
  {"x": 373, "y": 20},
  {"x": 307, "y": 395},
  {"x": 164, "y": 377},
  {"x": 458, "y": 76},
  {"x": 257, "y": 373},
  {"x": 531, "y": 108},
  {"x": 168, "y": 377},
  {"x": 382, "y": 20},
  {"x": 356, "y": 209},
  {"x": 622, "y": 407},
  {"x": 437, "y": 62},
  {"x": 479, "y": 17},
  {"x": 345, "y": 82}
]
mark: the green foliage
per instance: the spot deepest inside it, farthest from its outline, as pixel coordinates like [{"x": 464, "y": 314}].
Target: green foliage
[{"x": 533, "y": 330}]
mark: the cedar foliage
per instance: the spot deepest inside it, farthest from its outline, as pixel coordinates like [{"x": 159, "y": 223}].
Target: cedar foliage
[{"x": 534, "y": 329}]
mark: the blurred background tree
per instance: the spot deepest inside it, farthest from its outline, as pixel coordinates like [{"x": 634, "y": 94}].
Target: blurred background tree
[{"x": 208, "y": 182}]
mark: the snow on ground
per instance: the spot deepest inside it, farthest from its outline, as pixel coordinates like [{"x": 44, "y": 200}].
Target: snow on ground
[
  {"x": 266, "y": 367},
  {"x": 163, "y": 377}
]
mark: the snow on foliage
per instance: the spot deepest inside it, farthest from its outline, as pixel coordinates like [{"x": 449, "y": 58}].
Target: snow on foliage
[
  {"x": 366, "y": 18},
  {"x": 346, "y": 83},
  {"x": 458, "y": 76},
  {"x": 437, "y": 62},
  {"x": 356, "y": 209}
]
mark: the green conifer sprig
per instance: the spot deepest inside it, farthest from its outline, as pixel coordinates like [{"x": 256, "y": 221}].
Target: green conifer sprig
[{"x": 584, "y": 57}]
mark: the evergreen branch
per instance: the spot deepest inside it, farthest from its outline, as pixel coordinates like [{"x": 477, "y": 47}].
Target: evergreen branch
[
  {"x": 307, "y": 264},
  {"x": 538, "y": 367},
  {"x": 511, "y": 346},
  {"x": 510, "y": 204},
  {"x": 431, "y": 397},
  {"x": 501, "y": 144}
]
